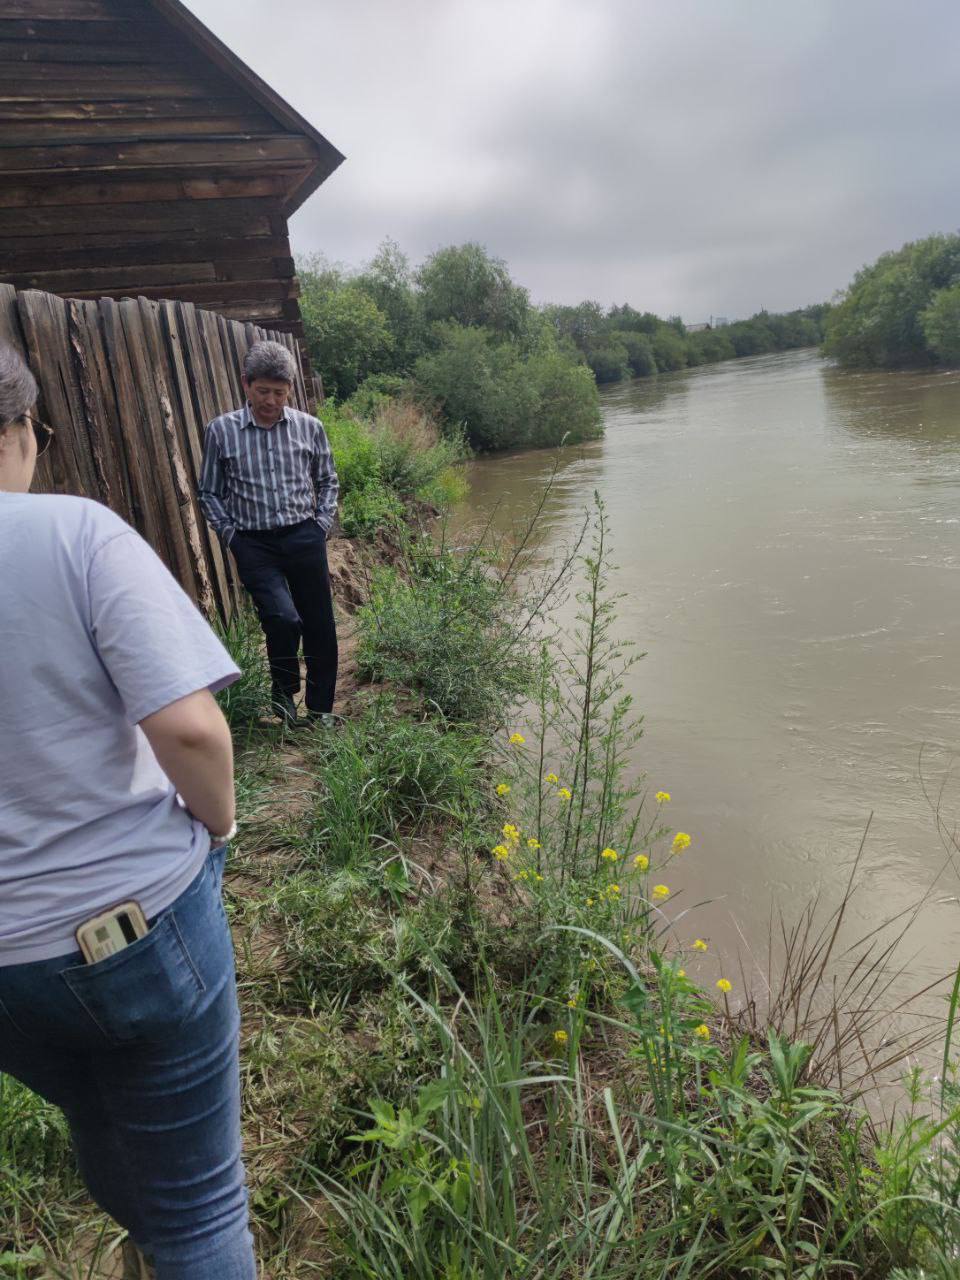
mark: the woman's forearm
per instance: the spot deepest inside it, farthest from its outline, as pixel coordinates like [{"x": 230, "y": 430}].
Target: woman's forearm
[{"x": 192, "y": 743}]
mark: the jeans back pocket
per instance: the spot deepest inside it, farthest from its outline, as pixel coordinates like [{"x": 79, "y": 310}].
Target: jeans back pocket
[{"x": 146, "y": 992}]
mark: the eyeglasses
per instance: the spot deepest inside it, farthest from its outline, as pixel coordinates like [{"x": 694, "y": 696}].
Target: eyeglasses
[{"x": 43, "y": 433}]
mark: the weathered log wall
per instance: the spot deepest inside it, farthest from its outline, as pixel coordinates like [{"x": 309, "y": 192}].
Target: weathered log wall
[
  {"x": 129, "y": 387},
  {"x": 141, "y": 156}
]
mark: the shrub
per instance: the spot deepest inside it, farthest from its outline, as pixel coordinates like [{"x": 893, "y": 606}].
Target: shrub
[
  {"x": 412, "y": 454},
  {"x": 355, "y": 453},
  {"x": 608, "y": 358},
  {"x": 375, "y": 392},
  {"x": 347, "y": 335},
  {"x": 446, "y": 632},
  {"x": 880, "y": 320},
  {"x": 569, "y": 406},
  {"x": 639, "y": 352},
  {"x": 366, "y": 511},
  {"x": 941, "y": 324}
]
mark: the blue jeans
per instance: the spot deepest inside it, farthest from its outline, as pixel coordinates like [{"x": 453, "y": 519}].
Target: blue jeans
[{"x": 141, "y": 1052}]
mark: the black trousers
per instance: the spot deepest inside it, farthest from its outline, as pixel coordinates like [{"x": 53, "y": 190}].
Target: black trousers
[{"x": 285, "y": 571}]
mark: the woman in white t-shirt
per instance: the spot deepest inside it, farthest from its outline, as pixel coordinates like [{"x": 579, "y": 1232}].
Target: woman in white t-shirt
[{"x": 116, "y": 787}]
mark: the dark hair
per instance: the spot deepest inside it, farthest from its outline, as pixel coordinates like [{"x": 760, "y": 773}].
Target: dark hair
[
  {"x": 269, "y": 360},
  {"x": 18, "y": 387}
]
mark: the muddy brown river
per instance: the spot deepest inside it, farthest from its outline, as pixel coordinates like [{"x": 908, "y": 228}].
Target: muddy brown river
[{"x": 788, "y": 543}]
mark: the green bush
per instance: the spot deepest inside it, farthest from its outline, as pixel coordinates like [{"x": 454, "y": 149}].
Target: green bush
[
  {"x": 884, "y": 319},
  {"x": 503, "y": 399},
  {"x": 366, "y": 511},
  {"x": 355, "y": 454},
  {"x": 444, "y": 631},
  {"x": 347, "y": 335},
  {"x": 375, "y": 393},
  {"x": 608, "y": 358},
  {"x": 941, "y": 324}
]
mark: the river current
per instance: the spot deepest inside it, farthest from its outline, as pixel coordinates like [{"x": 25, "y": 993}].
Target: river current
[{"x": 787, "y": 537}]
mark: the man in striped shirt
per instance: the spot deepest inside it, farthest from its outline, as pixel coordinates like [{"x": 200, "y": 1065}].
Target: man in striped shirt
[{"x": 268, "y": 488}]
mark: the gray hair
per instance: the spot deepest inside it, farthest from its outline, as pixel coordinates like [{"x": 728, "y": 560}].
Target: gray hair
[
  {"x": 269, "y": 360},
  {"x": 18, "y": 387}
]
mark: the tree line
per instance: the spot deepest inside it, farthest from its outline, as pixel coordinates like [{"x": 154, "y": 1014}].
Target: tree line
[
  {"x": 462, "y": 338},
  {"x": 902, "y": 310}
]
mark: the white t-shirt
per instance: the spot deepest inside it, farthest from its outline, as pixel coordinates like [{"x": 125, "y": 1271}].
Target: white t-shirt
[{"x": 95, "y": 635}]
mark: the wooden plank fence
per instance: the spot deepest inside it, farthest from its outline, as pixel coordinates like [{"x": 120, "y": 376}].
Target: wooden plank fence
[{"x": 129, "y": 387}]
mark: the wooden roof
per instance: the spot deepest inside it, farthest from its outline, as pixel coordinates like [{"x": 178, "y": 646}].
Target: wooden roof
[{"x": 326, "y": 158}]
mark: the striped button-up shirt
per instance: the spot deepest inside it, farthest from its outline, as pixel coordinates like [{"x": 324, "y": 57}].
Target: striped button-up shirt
[{"x": 266, "y": 477}]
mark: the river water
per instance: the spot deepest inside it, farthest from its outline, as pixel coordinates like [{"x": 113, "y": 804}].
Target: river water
[{"x": 788, "y": 543}]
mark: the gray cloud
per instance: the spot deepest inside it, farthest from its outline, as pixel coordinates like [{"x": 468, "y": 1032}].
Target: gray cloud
[{"x": 698, "y": 156}]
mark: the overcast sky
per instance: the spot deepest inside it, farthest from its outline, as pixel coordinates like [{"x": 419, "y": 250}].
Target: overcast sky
[{"x": 700, "y": 157}]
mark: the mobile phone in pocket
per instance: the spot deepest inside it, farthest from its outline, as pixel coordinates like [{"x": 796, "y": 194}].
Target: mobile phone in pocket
[{"x": 109, "y": 932}]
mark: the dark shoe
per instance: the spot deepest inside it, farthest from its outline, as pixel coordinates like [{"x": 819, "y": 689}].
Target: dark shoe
[{"x": 285, "y": 707}]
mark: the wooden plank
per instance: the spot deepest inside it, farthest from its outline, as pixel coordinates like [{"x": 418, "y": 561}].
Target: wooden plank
[
  {"x": 204, "y": 216},
  {"x": 164, "y": 494},
  {"x": 217, "y": 361},
  {"x": 190, "y": 77},
  {"x": 210, "y": 397},
  {"x": 226, "y": 253},
  {"x": 192, "y": 425},
  {"x": 112, "y": 279},
  {"x": 71, "y": 190},
  {"x": 44, "y": 321},
  {"x": 144, "y": 510},
  {"x": 256, "y": 149},
  {"x": 234, "y": 292},
  {"x": 99, "y": 402},
  {"x": 139, "y": 108},
  {"x": 114, "y": 30},
  {"x": 162, "y": 47},
  {"x": 10, "y": 330},
  {"x": 75, "y": 10},
  {"x": 184, "y": 485},
  {"x": 126, "y": 130}
]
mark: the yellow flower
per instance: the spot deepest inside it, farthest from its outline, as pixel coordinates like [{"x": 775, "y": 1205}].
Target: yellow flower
[
  {"x": 641, "y": 862},
  {"x": 552, "y": 779},
  {"x": 560, "y": 1036},
  {"x": 538, "y": 877},
  {"x": 613, "y": 891},
  {"x": 661, "y": 891},
  {"x": 503, "y": 788},
  {"x": 511, "y": 832},
  {"x": 611, "y": 855},
  {"x": 522, "y": 875},
  {"x": 703, "y": 1031},
  {"x": 590, "y": 902},
  {"x": 533, "y": 842},
  {"x": 662, "y": 797},
  {"x": 564, "y": 794},
  {"x": 572, "y": 1002},
  {"x": 500, "y": 852},
  {"x": 724, "y": 986},
  {"x": 699, "y": 945},
  {"x": 681, "y": 973},
  {"x": 681, "y": 841},
  {"x": 517, "y": 739}
]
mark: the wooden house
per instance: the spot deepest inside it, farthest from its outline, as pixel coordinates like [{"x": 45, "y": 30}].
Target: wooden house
[{"x": 140, "y": 157}]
